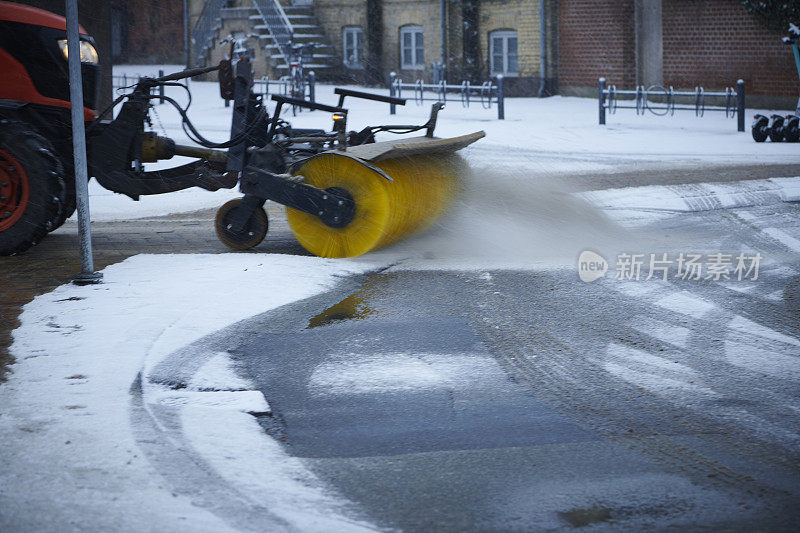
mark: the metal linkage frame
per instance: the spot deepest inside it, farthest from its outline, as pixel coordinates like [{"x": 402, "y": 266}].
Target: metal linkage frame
[
  {"x": 125, "y": 81},
  {"x": 730, "y": 101},
  {"x": 487, "y": 93}
]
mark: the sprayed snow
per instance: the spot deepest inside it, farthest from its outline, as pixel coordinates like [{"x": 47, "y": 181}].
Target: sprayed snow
[{"x": 506, "y": 220}]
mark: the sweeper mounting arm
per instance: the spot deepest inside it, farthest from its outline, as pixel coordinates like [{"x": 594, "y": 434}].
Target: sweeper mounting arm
[{"x": 117, "y": 149}]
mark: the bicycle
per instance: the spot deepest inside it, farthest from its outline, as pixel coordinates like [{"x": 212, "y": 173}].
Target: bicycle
[
  {"x": 298, "y": 55},
  {"x": 239, "y": 45}
]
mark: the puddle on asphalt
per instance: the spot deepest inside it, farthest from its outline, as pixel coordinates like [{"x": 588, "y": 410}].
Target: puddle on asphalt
[{"x": 354, "y": 307}]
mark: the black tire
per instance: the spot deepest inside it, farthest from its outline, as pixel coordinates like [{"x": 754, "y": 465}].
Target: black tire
[
  {"x": 254, "y": 232},
  {"x": 759, "y": 129},
  {"x": 32, "y": 178},
  {"x": 69, "y": 204},
  {"x": 776, "y": 129},
  {"x": 791, "y": 131}
]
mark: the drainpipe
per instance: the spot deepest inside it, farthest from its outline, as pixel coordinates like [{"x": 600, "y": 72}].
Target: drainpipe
[
  {"x": 543, "y": 50},
  {"x": 443, "y": 7}
]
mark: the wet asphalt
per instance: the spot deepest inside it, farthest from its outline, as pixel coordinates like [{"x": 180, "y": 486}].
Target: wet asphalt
[{"x": 529, "y": 401}]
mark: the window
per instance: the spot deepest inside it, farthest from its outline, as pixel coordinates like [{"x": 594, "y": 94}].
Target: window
[
  {"x": 503, "y": 53},
  {"x": 412, "y": 50},
  {"x": 353, "y": 47}
]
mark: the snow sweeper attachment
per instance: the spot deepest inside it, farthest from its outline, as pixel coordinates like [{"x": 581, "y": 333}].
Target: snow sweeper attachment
[{"x": 344, "y": 193}]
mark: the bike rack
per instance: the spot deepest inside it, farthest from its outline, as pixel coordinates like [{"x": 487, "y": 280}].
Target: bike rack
[
  {"x": 639, "y": 99},
  {"x": 284, "y": 86},
  {"x": 488, "y": 93}
]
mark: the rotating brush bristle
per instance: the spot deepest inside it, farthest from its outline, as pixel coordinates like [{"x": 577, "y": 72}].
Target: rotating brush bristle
[{"x": 422, "y": 189}]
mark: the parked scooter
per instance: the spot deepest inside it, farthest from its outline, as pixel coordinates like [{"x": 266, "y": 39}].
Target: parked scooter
[{"x": 777, "y": 127}]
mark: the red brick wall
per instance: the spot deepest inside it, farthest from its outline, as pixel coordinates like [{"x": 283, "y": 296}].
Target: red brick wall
[
  {"x": 715, "y": 42},
  {"x": 596, "y": 39},
  {"x": 711, "y": 43},
  {"x": 155, "y": 31}
]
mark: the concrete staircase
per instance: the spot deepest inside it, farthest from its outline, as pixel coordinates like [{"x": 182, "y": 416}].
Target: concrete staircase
[
  {"x": 325, "y": 62},
  {"x": 217, "y": 21}
]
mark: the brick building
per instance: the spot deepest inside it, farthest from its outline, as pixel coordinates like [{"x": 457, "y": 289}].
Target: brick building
[
  {"x": 364, "y": 40},
  {"x": 147, "y": 31},
  {"x": 564, "y": 46},
  {"x": 683, "y": 43},
  {"x": 482, "y": 38}
]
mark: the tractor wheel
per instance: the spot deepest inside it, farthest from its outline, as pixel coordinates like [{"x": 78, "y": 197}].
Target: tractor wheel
[
  {"x": 69, "y": 203},
  {"x": 254, "y": 232},
  {"x": 31, "y": 187}
]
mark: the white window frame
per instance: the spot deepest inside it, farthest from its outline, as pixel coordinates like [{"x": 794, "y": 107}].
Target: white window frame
[
  {"x": 417, "y": 59},
  {"x": 358, "y": 34},
  {"x": 505, "y": 35}
]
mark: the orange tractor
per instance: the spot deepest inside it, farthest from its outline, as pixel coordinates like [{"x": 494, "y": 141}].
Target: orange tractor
[{"x": 344, "y": 193}]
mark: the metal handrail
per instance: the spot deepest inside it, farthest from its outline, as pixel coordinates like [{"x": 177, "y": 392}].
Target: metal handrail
[
  {"x": 283, "y": 15},
  {"x": 201, "y": 33},
  {"x": 278, "y": 24}
]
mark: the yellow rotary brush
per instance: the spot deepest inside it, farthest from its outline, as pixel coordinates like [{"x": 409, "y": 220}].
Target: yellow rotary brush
[{"x": 422, "y": 188}]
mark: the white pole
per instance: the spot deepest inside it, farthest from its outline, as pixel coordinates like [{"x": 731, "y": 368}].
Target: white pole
[{"x": 87, "y": 274}]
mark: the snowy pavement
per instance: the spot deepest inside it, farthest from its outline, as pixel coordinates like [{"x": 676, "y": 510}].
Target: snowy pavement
[
  {"x": 132, "y": 407},
  {"x": 67, "y": 407}
]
